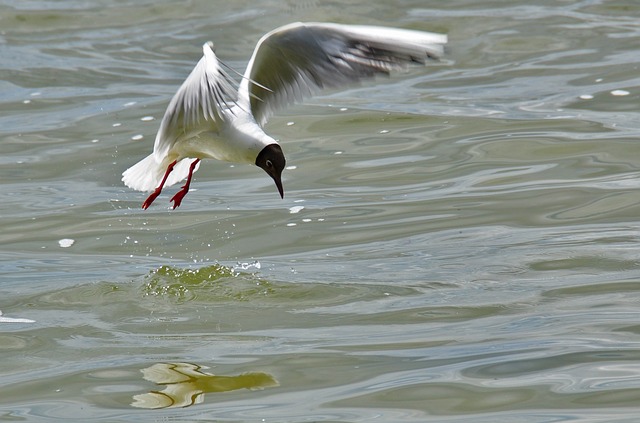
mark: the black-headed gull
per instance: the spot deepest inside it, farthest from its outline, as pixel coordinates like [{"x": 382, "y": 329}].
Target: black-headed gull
[{"x": 209, "y": 118}]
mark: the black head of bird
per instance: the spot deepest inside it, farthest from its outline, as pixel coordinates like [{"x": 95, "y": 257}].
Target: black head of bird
[{"x": 271, "y": 160}]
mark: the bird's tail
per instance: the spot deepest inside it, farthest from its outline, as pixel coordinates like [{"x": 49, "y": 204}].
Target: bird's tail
[{"x": 147, "y": 174}]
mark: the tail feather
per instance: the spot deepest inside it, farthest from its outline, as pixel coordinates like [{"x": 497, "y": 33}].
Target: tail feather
[{"x": 147, "y": 174}]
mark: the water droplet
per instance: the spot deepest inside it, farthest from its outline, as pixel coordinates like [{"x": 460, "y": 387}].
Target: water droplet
[{"x": 619, "y": 92}]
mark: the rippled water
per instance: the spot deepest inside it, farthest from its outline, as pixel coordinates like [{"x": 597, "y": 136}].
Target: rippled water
[{"x": 458, "y": 243}]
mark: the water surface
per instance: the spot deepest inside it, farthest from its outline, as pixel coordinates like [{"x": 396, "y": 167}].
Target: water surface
[{"x": 457, "y": 243}]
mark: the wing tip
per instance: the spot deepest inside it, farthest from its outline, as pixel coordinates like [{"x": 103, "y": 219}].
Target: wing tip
[{"x": 209, "y": 45}]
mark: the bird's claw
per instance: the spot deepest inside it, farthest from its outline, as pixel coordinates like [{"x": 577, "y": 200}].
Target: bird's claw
[
  {"x": 150, "y": 199},
  {"x": 177, "y": 198}
]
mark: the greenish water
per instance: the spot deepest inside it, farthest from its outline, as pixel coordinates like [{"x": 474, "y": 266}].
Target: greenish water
[{"x": 457, "y": 243}]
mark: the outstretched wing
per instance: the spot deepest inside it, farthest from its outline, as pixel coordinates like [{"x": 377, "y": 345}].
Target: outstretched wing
[
  {"x": 199, "y": 104},
  {"x": 296, "y": 60}
]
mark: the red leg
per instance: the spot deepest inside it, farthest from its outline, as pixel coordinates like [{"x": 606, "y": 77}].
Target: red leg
[
  {"x": 158, "y": 190},
  {"x": 177, "y": 199}
]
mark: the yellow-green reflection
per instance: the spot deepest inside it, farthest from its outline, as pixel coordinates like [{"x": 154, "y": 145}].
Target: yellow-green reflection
[{"x": 186, "y": 383}]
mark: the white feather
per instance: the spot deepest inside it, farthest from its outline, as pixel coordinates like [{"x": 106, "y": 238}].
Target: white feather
[{"x": 297, "y": 60}]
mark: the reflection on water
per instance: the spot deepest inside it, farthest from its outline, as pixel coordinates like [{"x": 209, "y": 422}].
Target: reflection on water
[
  {"x": 185, "y": 384},
  {"x": 6, "y": 319}
]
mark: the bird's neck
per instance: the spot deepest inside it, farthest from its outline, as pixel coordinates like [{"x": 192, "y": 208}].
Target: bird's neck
[{"x": 247, "y": 136}]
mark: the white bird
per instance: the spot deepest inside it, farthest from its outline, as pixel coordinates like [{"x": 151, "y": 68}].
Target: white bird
[{"x": 209, "y": 118}]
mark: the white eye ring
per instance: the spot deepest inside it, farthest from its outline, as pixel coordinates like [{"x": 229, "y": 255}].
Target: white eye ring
[{"x": 269, "y": 164}]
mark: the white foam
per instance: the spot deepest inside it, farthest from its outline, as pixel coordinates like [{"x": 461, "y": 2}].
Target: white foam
[{"x": 66, "y": 242}]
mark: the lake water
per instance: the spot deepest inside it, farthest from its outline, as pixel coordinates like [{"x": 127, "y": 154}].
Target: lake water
[{"x": 457, "y": 243}]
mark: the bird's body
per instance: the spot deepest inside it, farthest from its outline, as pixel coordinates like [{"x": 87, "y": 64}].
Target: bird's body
[{"x": 209, "y": 118}]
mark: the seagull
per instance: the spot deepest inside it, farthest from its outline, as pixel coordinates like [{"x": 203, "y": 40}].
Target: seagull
[{"x": 211, "y": 116}]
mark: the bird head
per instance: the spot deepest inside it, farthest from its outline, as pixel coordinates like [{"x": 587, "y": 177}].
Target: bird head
[{"x": 271, "y": 160}]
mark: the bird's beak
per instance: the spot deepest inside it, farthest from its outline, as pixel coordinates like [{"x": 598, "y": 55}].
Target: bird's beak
[{"x": 278, "y": 180}]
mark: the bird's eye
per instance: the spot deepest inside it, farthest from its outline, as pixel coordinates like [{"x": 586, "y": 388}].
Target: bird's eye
[{"x": 269, "y": 164}]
